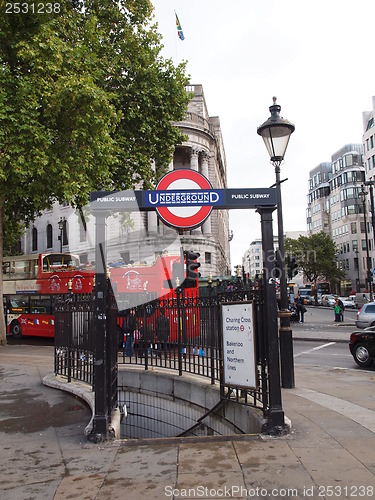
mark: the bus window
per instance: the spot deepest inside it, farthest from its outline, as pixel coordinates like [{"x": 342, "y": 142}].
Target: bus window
[
  {"x": 19, "y": 304},
  {"x": 60, "y": 262},
  {"x": 40, "y": 305}
]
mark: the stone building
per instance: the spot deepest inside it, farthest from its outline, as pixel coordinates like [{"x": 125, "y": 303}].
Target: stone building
[
  {"x": 335, "y": 208},
  {"x": 317, "y": 214},
  {"x": 140, "y": 237}
]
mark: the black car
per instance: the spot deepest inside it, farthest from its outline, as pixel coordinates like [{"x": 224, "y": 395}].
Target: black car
[{"x": 362, "y": 346}]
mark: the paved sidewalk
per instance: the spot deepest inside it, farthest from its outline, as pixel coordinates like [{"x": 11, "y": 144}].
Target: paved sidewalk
[{"x": 330, "y": 451}]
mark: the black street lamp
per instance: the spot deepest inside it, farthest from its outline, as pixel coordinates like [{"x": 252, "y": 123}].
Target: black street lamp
[
  {"x": 356, "y": 264},
  {"x": 370, "y": 184},
  {"x": 362, "y": 195},
  {"x": 61, "y": 225},
  {"x": 276, "y": 132}
]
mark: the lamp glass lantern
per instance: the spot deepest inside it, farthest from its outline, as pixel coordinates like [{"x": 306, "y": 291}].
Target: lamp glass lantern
[{"x": 276, "y": 132}]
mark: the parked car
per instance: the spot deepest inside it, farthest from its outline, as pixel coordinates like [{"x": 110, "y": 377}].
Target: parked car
[
  {"x": 348, "y": 304},
  {"x": 366, "y": 316},
  {"x": 328, "y": 300},
  {"x": 353, "y": 299},
  {"x": 362, "y": 346}
]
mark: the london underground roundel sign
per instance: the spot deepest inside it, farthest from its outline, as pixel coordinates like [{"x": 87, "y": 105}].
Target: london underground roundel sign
[{"x": 182, "y": 209}]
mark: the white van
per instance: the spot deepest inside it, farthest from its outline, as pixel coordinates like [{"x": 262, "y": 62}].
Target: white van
[{"x": 361, "y": 298}]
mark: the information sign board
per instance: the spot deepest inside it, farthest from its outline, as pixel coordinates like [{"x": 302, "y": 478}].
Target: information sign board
[
  {"x": 241, "y": 198},
  {"x": 239, "y": 345}
]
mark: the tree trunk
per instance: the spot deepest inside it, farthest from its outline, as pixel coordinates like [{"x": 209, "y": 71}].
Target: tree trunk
[{"x": 3, "y": 339}]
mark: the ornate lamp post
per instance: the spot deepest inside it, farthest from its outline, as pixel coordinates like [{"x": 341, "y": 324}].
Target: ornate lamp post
[
  {"x": 362, "y": 195},
  {"x": 61, "y": 225},
  {"x": 276, "y": 132}
]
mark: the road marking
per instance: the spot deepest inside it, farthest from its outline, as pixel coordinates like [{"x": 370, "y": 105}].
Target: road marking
[{"x": 314, "y": 349}]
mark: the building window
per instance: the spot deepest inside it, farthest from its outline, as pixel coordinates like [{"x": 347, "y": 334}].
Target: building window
[
  {"x": 207, "y": 257},
  {"x": 65, "y": 233},
  {"x": 49, "y": 235},
  {"x": 125, "y": 257},
  {"x": 34, "y": 240}
]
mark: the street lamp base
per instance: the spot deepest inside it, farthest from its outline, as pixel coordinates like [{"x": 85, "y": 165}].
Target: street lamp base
[
  {"x": 276, "y": 425},
  {"x": 286, "y": 351}
]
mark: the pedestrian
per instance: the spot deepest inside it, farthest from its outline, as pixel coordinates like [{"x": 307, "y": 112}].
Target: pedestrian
[
  {"x": 129, "y": 327},
  {"x": 301, "y": 309},
  {"x": 293, "y": 313},
  {"x": 342, "y": 308},
  {"x": 337, "y": 309},
  {"x": 162, "y": 328}
]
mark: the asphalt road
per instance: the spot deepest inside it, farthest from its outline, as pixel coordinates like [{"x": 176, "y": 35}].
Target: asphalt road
[
  {"x": 328, "y": 314},
  {"x": 325, "y": 354}
]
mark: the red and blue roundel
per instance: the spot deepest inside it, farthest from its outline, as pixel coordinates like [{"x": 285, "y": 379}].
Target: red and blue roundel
[{"x": 183, "y": 184}]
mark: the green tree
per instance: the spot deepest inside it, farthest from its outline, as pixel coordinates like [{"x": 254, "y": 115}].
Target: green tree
[
  {"x": 86, "y": 103},
  {"x": 316, "y": 257}
]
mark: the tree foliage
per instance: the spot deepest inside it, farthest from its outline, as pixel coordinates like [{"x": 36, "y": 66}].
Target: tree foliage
[
  {"x": 86, "y": 103},
  {"x": 316, "y": 257}
]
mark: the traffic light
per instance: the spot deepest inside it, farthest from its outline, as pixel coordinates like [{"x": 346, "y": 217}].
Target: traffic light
[
  {"x": 292, "y": 267},
  {"x": 192, "y": 265}
]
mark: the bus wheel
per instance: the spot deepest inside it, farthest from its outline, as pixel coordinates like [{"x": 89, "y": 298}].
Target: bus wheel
[{"x": 15, "y": 329}]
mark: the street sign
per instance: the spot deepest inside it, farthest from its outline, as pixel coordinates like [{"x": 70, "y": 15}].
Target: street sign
[
  {"x": 238, "y": 345},
  {"x": 190, "y": 206},
  {"x": 130, "y": 200}
]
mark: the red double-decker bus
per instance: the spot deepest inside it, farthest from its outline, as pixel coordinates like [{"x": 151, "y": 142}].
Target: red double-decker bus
[
  {"x": 31, "y": 283},
  {"x": 156, "y": 285}
]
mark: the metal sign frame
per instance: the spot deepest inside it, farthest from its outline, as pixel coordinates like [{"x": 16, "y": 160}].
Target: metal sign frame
[
  {"x": 238, "y": 345},
  {"x": 129, "y": 200}
]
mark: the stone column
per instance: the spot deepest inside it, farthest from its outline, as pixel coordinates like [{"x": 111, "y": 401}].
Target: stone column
[
  {"x": 205, "y": 156},
  {"x": 194, "y": 155},
  {"x": 206, "y": 227},
  {"x": 152, "y": 220},
  {"x": 194, "y": 165}
]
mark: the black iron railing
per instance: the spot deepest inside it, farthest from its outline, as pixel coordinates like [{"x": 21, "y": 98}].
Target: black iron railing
[
  {"x": 74, "y": 337},
  {"x": 193, "y": 344}
]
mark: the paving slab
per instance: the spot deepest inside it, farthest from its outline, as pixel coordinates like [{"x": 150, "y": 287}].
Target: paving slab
[{"x": 45, "y": 454}]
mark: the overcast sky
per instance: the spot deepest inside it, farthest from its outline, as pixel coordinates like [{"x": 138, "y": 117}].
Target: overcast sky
[{"x": 316, "y": 57}]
